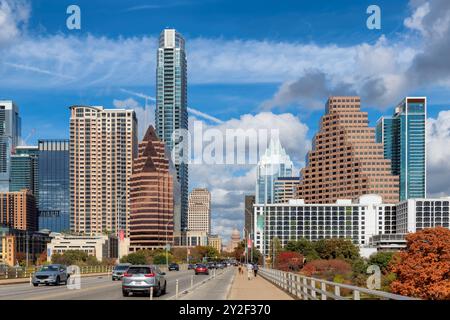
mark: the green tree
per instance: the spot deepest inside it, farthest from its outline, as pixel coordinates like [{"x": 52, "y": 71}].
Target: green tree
[
  {"x": 381, "y": 259},
  {"x": 304, "y": 247},
  {"x": 337, "y": 248},
  {"x": 138, "y": 257},
  {"x": 274, "y": 249},
  {"x": 160, "y": 258}
]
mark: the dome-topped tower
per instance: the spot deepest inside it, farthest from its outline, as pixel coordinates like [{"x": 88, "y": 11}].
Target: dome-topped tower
[
  {"x": 235, "y": 239},
  {"x": 235, "y": 235}
]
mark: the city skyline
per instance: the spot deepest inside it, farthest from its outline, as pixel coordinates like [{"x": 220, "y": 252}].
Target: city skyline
[{"x": 258, "y": 92}]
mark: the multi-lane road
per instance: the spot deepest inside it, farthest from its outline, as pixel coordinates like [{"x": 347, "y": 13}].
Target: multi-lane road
[{"x": 103, "y": 288}]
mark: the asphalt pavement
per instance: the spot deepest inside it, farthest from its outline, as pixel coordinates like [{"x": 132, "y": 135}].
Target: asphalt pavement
[{"x": 99, "y": 288}]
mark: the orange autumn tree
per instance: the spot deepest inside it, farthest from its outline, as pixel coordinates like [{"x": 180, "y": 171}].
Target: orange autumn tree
[{"x": 423, "y": 270}]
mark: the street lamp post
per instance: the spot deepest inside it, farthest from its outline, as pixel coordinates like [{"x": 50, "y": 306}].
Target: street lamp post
[{"x": 167, "y": 247}]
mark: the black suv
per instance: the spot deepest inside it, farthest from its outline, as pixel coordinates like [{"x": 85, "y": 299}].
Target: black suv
[{"x": 174, "y": 266}]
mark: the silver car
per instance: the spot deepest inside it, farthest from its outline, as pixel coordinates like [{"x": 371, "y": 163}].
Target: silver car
[
  {"x": 51, "y": 274},
  {"x": 141, "y": 278},
  {"x": 119, "y": 270}
]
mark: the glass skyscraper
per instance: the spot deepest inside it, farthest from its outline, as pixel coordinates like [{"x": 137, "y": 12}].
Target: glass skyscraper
[
  {"x": 53, "y": 193},
  {"x": 403, "y": 138},
  {"x": 25, "y": 170},
  {"x": 10, "y": 127},
  {"x": 171, "y": 106},
  {"x": 273, "y": 164}
]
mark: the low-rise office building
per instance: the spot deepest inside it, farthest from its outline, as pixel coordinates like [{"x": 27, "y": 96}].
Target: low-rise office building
[{"x": 101, "y": 246}]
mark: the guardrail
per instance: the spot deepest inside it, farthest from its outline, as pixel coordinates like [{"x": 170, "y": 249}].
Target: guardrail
[
  {"x": 7, "y": 272},
  {"x": 307, "y": 288}
]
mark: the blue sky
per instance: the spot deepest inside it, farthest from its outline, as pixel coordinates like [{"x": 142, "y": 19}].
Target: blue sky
[{"x": 244, "y": 58}]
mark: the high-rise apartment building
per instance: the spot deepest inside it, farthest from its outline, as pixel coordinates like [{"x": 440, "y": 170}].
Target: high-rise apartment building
[
  {"x": 345, "y": 161},
  {"x": 403, "y": 138},
  {"x": 171, "y": 107},
  {"x": 54, "y": 185},
  {"x": 25, "y": 170},
  {"x": 199, "y": 214},
  {"x": 285, "y": 189},
  {"x": 103, "y": 143},
  {"x": 152, "y": 196},
  {"x": 18, "y": 210},
  {"x": 10, "y": 129},
  {"x": 273, "y": 164}
]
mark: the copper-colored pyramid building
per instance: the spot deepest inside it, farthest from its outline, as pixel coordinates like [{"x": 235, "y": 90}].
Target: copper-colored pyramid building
[
  {"x": 345, "y": 161},
  {"x": 151, "y": 195}
]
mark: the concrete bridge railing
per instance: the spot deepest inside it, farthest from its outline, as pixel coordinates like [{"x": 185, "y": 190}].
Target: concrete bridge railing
[{"x": 307, "y": 288}]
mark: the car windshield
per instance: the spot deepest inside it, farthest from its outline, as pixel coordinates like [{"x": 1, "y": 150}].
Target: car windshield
[
  {"x": 201, "y": 266},
  {"x": 121, "y": 268},
  {"x": 139, "y": 270},
  {"x": 49, "y": 268}
]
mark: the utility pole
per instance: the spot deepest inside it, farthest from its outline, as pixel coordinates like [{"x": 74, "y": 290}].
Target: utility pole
[{"x": 167, "y": 248}]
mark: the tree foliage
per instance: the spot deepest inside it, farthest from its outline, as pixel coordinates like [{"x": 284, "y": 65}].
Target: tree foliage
[
  {"x": 423, "y": 269},
  {"x": 327, "y": 269},
  {"x": 289, "y": 261},
  {"x": 381, "y": 259},
  {"x": 75, "y": 257}
]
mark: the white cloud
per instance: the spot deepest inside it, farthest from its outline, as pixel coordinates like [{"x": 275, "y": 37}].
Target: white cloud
[
  {"x": 229, "y": 184},
  {"x": 415, "y": 21},
  {"x": 438, "y": 155},
  {"x": 14, "y": 14}
]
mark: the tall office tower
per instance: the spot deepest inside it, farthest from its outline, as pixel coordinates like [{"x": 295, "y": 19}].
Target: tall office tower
[
  {"x": 273, "y": 164},
  {"x": 25, "y": 170},
  {"x": 18, "y": 210},
  {"x": 345, "y": 161},
  {"x": 151, "y": 195},
  {"x": 403, "y": 138},
  {"x": 199, "y": 214},
  {"x": 9, "y": 138},
  {"x": 103, "y": 144},
  {"x": 171, "y": 106},
  {"x": 54, "y": 195},
  {"x": 248, "y": 214},
  {"x": 285, "y": 189}
]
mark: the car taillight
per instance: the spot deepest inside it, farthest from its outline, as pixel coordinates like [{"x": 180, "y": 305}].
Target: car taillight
[
  {"x": 150, "y": 275},
  {"x": 127, "y": 274}
]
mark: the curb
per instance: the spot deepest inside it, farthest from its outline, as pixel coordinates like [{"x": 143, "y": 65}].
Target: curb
[{"x": 27, "y": 280}]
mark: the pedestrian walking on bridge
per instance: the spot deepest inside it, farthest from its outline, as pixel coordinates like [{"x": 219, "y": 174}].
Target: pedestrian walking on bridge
[
  {"x": 249, "y": 271},
  {"x": 255, "y": 269}
]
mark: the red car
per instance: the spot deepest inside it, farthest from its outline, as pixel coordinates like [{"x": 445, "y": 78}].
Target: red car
[{"x": 201, "y": 268}]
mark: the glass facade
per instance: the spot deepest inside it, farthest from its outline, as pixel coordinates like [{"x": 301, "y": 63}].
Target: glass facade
[
  {"x": 171, "y": 105},
  {"x": 25, "y": 170},
  {"x": 10, "y": 128},
  {"x": 275, "y": 163},
  {"x": 403, "y": 136},
  {"x": 54, "y": 185}
]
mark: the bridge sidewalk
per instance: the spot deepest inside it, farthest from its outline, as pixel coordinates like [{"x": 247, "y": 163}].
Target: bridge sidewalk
[{"x": 255, "y": 289}]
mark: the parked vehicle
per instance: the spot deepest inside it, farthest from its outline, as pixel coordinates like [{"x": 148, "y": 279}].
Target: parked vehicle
[
  {"x": 201, "y": 268},
  {"x": 191, "y": 266},
  {"x": 220, "y": 265},
  {"x": 119, "y": 270},
  {"x": 174, "y": 266},
  {"x": 51, "y": 274}
]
